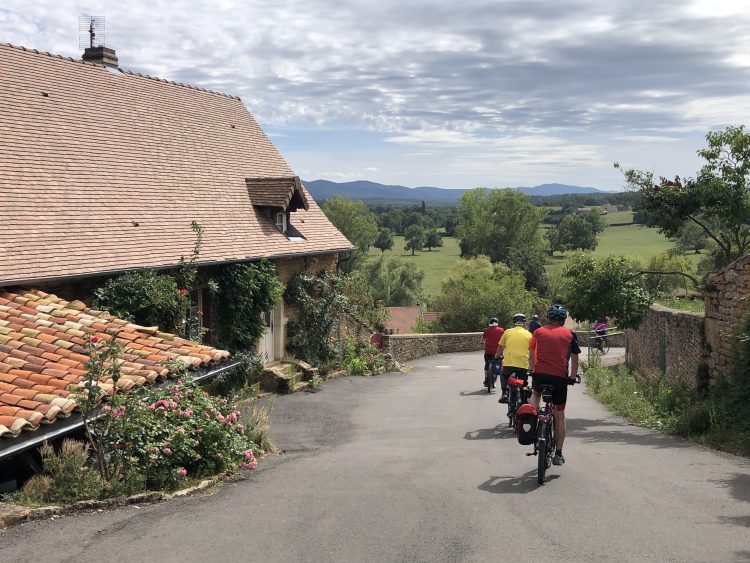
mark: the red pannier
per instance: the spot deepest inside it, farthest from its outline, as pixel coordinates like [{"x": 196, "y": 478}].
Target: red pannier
[
  {"x": 515, "y": 381},
  {"x": 526, "y": 416}
]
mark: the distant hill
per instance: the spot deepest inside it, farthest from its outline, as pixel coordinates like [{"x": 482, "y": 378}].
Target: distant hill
[{"x": 372, "y": 191}]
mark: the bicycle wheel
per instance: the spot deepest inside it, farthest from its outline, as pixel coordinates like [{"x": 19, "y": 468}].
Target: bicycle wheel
[
  {"x": 542, "y": 451},
  {"x": 512, "y": 406},
  {"x": 550, "y": 441}
]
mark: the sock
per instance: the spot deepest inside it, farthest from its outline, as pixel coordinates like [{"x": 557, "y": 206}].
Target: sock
[{"x": 558, "y": 452}]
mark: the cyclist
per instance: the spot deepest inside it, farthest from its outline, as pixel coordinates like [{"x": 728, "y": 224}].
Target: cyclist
[
  {"x": 490, "y": 338},
  {"x": 534, "y": 324},
  {"x": 553, "y": 358},
  {"x": 514, "y": 349},
  {"x": 600, "y": 328}
]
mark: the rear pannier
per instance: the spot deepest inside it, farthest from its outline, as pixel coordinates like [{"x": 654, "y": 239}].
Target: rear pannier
[{"x": 526, "y": 424}]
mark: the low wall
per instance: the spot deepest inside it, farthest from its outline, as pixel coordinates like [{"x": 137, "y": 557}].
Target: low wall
[
  {"x": 615, "y": 341},
  {"x": 669, "y": 342},
  {"x": 404, "y": 347}
]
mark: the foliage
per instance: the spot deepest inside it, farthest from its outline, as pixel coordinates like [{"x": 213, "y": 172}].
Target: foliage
[
  {"x": 664, "y": 283},
  {"x": 684, "y": 304},
  {"x": 360, "y": 359},
  {"x": 394, "y": 282},
  {"x": 691, "y": 238},
  {"x": 717, "y": 199},
  {"x": 433, "y": 239},
  {"x": 145, "y": 298},
  {"x": 357, "y": 288},
  {"x": 384, "y": 240},
  {"x": 416, "y": 237},
  {"x": 256, "y": 413},
  {"x": 477, "y": 290},
  {"x": 241, "y": 380},
  {"x": 318, "y": 301},
  {"x": 67, "y": 476},
  {"x": 355, "y": 222},
  {"x": 244, "y": 292},
  {"x": 607, "y": 286},
  {"x": 422, "y": 326},
  {"x": 576, "y": 232},
  {"x": 505, "y": 226}
]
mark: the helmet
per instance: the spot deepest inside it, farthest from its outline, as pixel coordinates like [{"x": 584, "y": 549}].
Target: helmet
[
  {"x": 606, "y": 319},
  {"x": 535, "y": 317},
  {"x": 493, "y": 321},
  {"x": 557, "y": 313},
  {"x": 519, "y": 318}
]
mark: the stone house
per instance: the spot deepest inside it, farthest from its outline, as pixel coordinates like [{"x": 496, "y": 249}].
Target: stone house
[{"x": 104, "y": 171}]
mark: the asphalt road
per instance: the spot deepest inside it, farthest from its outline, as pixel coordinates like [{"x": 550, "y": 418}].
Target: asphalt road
[{"x": 420, "y": 467}]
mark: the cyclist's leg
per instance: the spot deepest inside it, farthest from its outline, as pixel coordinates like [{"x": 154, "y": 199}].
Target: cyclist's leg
[
  {"x": 535, "y": 395},
  {"x": 487, "y": 360},
  {"x": 559, "y": 398}
]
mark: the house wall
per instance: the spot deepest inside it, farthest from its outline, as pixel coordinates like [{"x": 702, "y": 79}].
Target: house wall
[
  {"x": 726, "y": 293},
  {"x": 404, "y": 347},
  {"x": 669, "y": 344}
]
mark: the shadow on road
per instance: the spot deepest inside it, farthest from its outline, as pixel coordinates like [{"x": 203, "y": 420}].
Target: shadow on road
[
  {"x": 472, "y": 393},
  {"x": 620, "y": 433},
  {"x": 739, "y": 486},
  {"x": 488, "y": 433},
  {"x": 514, "y": 485}
]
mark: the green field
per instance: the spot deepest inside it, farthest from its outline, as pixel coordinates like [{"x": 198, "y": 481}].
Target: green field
[
  {"x": 435, "y": 264},
  {"x": 633, "y": 241}
]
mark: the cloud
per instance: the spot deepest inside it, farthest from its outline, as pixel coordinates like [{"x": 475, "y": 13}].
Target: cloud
[{"x": 479, "y": 75}]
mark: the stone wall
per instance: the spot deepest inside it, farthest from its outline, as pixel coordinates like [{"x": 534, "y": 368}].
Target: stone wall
[
  {"x": 726, "y": 293},
  {"x": 669, "y": 342},
  {"x": 404, "y": 347},
  {"x": 615, "y": 341}
]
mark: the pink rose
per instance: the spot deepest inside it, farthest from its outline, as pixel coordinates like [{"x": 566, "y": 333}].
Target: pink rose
[{"x": 181, "y": 472}]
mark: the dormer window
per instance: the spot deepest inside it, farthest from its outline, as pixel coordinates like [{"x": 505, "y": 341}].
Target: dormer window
[
  {"x": 276, "y": 198},
  {"x": 281, "y": 222}
]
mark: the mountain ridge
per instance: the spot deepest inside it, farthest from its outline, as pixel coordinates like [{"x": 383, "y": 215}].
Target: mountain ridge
[{"x": 367, "y": 190}]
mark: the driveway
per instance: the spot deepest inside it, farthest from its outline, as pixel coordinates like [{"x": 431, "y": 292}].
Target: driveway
[{"x": 420, "y": 467}]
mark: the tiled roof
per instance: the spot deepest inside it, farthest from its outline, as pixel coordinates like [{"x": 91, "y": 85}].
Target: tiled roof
[
  {"x": 402, "y": 320},
  {"x": 277, "y": 192},
  {"x": 42, "y": 356},
  {"x": 103, "y": 171}
]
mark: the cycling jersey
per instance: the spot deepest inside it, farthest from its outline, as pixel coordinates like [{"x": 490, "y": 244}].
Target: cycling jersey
[
  {"x": 552, "y": 346},
  {"x": 515, "y": 343},
  {"x": 491, "y": 339}
]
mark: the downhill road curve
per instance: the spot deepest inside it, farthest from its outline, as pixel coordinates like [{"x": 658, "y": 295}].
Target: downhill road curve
[{"x": 422, "y": 467}]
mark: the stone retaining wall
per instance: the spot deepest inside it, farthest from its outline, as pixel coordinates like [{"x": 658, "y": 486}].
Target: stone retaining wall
[
  {"x": 405, "y": 347},
  {"x": 615, "y": 341},
  {"x": 671, "y": 343}
]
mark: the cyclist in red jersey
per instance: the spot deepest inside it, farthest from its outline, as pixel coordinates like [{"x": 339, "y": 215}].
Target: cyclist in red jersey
[
  {"x": 491, "y": 339},
  {"x": 553, "y": 359}
]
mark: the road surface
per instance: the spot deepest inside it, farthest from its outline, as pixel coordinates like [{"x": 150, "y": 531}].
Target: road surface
[{"x": 420, "y": 467}]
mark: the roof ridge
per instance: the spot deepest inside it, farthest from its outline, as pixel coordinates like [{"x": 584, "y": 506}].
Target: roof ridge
[{"x": 130, "y": 72}]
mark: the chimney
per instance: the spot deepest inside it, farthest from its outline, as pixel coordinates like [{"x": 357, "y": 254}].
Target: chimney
[{"x": 101, "y": 55}]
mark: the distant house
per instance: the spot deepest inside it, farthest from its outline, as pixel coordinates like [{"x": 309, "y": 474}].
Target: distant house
[
  {"x": 103, "y": 171},
  {"x": 403, "y": 320}
]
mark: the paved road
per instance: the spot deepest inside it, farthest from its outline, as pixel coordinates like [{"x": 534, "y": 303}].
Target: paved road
[{"x": 414, "y": 467}]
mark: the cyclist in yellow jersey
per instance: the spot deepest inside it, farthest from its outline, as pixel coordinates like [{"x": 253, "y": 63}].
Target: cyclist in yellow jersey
[{"x": 514, "y": 349}]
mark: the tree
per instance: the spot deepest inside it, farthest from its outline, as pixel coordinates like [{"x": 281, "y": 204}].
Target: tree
[
  {"x": 356, "y": 223},
  {"x": 607, "y": 286},
  {"x": 692, "y": 238},
  {"x": 394, "y": 282},
  {"x": 477, "y": 290},
  {"x": 384, "y": 240},
  {"x": 717, "y": 199},
  {"x": 661, "y": 283},
  {"x": 433, "y": 239},
  {"x": 505, "y": 226},
  {"x": 415, "y": 238}
]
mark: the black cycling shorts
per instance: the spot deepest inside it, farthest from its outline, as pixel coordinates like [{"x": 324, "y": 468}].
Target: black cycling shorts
[
  {"x": 560, "y": 391},
  {"x": 487, "y": 359}
]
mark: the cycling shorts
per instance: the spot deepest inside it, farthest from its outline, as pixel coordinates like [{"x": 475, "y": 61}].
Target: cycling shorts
[
  {"x": 559, "y": 392},
  {"x": 487, "y": 359}
]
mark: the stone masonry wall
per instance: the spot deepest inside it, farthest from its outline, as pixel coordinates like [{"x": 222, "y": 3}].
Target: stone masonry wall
[
  {"x": 670, "y": 342},
  {"x": 404, "y": 347},
  {"x": 726, "y": 295}
]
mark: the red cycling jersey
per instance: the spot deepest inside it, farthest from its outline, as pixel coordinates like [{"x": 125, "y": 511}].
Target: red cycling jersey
[
  {"x": 552, "y": 346},
  {"x": 492, "y": 335}
]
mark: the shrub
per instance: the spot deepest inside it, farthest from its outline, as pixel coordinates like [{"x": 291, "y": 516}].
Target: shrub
[
  {"x": 241, "y": 380},
  {"x": 360, "y": 359}
]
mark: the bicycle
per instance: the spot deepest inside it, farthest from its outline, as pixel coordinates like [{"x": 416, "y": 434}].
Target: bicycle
[
  {"x": 544, "y": 445},
  {"x": 516, "y": 398},
  {"x": 601, "y": 343},
  {"x": 491, "y": 377}
]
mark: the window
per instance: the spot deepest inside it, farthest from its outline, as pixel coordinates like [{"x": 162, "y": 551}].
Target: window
[{"x": 281, "y": 222}]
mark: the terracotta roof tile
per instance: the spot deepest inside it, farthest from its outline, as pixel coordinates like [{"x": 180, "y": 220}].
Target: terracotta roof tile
[
  {"x": 38, "y": 380},
  {"x": 98, "y": 174}
]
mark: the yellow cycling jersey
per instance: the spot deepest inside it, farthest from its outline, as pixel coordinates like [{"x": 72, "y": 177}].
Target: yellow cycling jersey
[{"x": 515, "y": 343}]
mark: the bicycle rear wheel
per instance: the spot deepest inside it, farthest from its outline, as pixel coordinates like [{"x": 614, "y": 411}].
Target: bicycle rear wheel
[
  {"x": 605, "y": 346},
  {"x": 542, "y": 451},
  {"x": 512, "y": 405}
]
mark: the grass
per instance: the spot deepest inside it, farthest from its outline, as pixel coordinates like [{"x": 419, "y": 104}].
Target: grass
[
  {"x": 693, "y": 305},
  {"x": 435, "y": 263},
  {"x": 618, "y": 217},
  {"x": 719, "y": 419}
]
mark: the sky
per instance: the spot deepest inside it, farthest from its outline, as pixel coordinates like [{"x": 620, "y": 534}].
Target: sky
[{"x": 453, "y": 94}]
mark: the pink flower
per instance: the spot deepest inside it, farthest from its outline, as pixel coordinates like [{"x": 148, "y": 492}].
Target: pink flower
[
  {"x": 166, "y": 451},
  {"x": 249, "y": 455},
  {"x": 106, "y": 409},
  {"x": 181, "y": 472},
  {"x": 249, "y": 465},
  {"x": 183, "y": 292},
  {"x": 199, "y": 430},
  {"x": 119, "y": 412},
  {"x": 187, "y": 413},
  {"x": 94, "y": 339}
]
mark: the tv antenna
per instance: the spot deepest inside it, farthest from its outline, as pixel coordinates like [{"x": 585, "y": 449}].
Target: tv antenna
[{"x": 90, "y": 31}]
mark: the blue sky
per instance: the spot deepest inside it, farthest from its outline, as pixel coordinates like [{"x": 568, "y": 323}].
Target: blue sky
[{"x": 443, "y": 93}]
